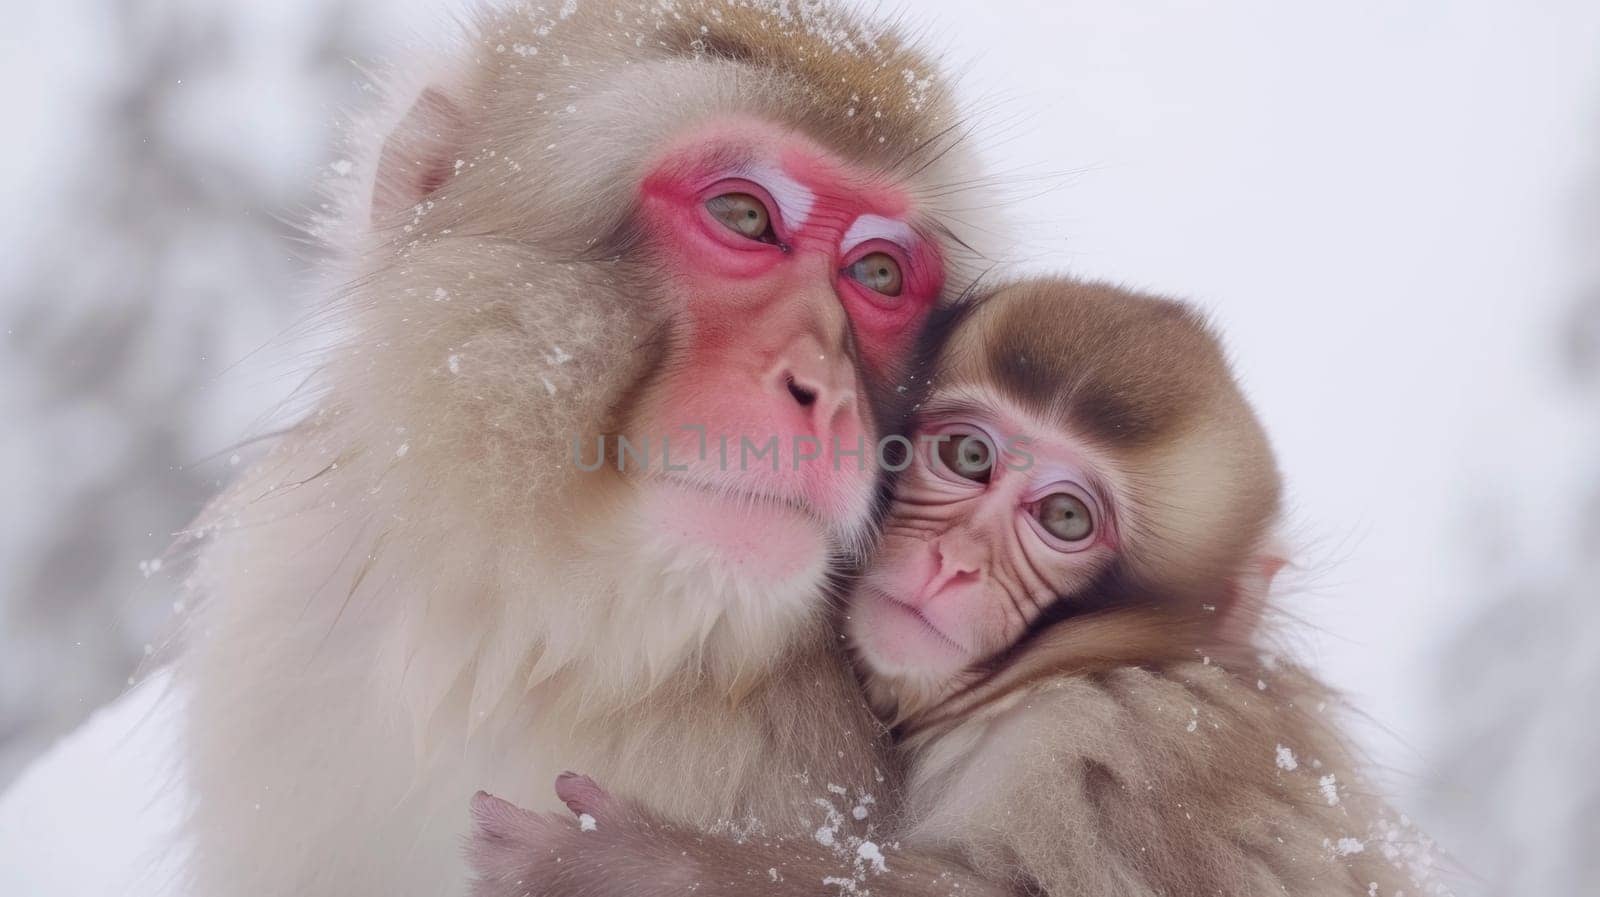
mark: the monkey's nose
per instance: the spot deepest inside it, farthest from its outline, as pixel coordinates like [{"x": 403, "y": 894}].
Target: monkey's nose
[
  {"x": 953, "y": 567},
  {"x": 803, "y": 394},
  {"x": 823, "y": 393}
]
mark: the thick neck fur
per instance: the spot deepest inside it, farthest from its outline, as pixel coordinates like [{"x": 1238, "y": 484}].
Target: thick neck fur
[
  {"x": 366, "y": 541},
  {"x": 378, "y": 658}
]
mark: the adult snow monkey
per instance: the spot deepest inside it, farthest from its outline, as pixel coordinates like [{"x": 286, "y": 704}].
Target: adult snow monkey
[
  {"x": 1059, "y": 624},
  {"x": 630, "y": 298}
]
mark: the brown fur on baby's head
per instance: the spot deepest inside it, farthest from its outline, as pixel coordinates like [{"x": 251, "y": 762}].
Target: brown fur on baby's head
[{"x": 1145, "y": 382}]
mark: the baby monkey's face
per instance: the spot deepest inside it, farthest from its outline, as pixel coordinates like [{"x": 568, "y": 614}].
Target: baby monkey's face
[
  {"x": 1083, "y": 446},
  {"x": 998, "y": 515}
]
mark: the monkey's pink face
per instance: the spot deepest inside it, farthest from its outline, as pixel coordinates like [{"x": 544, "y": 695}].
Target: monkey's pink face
[
  {"x": 798, "y": 286},
  {"x": 998, "y": 517}
]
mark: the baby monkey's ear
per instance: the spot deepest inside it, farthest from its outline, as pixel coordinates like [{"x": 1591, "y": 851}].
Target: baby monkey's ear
[
  {"x": 1237, "y": 619},
  {"x": 418, "y": 155}
]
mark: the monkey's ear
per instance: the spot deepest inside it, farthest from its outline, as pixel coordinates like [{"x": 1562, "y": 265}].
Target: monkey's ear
[
  {"x": 1239, "y": 618},
  {"x": 418, "y": 156}
]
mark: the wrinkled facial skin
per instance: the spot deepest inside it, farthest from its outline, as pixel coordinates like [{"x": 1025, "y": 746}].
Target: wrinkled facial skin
[
  {"x": 798, "y": 287},
  {"x": 987, "y": 529}
]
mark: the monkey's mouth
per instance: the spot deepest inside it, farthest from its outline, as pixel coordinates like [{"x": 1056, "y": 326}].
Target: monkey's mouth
[
  {"x": 895, "y": 605},
  {"x": 744, "y": 497},
  {"x": 764, "y": 540}
]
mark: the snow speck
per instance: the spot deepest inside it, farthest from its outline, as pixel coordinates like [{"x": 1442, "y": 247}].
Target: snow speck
[
  {"x": 454, "y": 363},
  {"x": 151, "y": 567},
  {"x": 859, "y": 813},
  {"x": 1330, "y": 789},
  {"x": 586, "y": 823},
  {"x": 919, "y": 88},
  {"x": 1349, "y": 847},
  {"x": 1193, "y": 725},
  {"x": 824, "y": 836},
  {"x": 234, "y": 459},
  {"x": 869, "y": 852},
  {"x": 772, "y": 874},
  {"x": 1286, "y": 760},
  {"x": 548, "y": 386},
  {"x": 343, "y": 167},
  {"x": 1261, "y": 685},
  {"x": 404, "y": 448},
  {"x": 571, "y": 108},
  {"x": 568, "y": 8},
  {"x": 558, "y": 355},
  {"x": 440, "y": 294}
]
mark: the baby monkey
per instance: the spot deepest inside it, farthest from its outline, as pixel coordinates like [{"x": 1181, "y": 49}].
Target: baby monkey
[{"x": 1059, "y": 623}]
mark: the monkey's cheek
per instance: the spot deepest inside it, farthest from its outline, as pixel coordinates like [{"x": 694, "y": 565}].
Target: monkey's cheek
[{"x": 754, "y": 542}]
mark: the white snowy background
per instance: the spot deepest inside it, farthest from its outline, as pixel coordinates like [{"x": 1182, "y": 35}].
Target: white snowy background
[{"x": 1393, "y": 211}]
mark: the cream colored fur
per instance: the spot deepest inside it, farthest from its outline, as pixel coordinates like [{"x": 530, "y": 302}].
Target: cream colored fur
[{"x": 416, "y": 596}]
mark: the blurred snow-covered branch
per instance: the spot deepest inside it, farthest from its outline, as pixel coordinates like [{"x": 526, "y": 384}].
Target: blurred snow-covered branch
[
  {"x": 1513, "y": 777},
  {"x": 155, "y": 255}
]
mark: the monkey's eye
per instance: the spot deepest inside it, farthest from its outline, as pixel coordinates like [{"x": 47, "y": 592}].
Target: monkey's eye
[
  {"x": 743, "y": 214},
  {"x": 1065, "y": 516},
  {"x": 877, "y": 271},
  {"x": 967, "y": 455}
]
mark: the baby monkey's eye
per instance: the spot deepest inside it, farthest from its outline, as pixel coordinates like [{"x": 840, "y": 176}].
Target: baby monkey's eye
[
  {"x": 967, "y": 456},
  {"x": 743, "y": 214},
  {"x": 877, "y": 271},
  {"x": 1065, "y": 516}
]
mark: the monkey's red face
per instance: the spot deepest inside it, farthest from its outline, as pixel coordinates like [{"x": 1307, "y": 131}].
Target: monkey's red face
[
  {"x": 798, "y": 285},
  {"x": 998, "y": 516}
]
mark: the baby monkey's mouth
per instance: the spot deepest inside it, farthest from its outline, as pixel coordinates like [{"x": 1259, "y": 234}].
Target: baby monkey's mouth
[{"x": 927, "y": 624}]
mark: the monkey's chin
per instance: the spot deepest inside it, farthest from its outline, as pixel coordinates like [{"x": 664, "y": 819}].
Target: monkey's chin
[
  {"x": 895, "y": 640},
  {"x": 755, "y": 541}
]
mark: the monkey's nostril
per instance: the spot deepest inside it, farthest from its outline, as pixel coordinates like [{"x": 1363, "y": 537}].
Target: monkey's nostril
[{"x": 806, "y": 397}]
